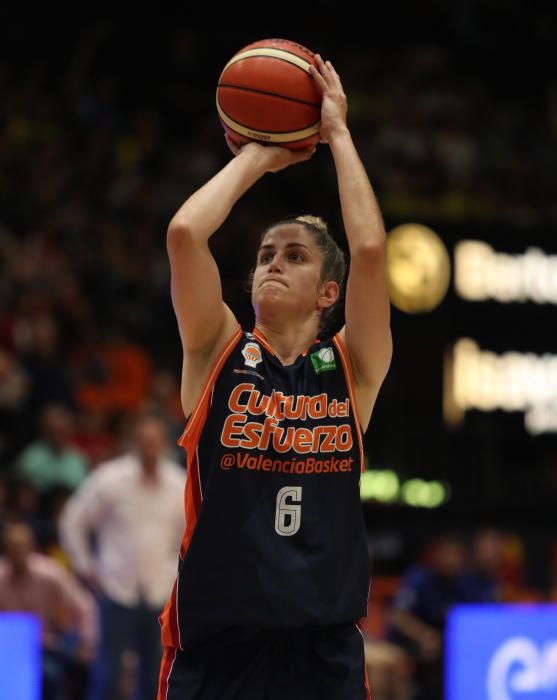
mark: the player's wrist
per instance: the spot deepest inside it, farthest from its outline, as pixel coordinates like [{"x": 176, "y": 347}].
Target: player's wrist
[
  {"x": 340, "y": 133},
  {"x": 255, "y": 155}
]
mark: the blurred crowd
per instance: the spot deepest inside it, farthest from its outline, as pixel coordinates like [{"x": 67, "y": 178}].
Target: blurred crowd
[
  {"x": 93, "y": 553},
  {"x": 408, "y": 613},
  {"x": 93, "y": 164}
]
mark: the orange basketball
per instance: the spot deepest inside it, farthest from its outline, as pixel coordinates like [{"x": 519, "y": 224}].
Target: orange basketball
[{"x": 266, "y": 93}]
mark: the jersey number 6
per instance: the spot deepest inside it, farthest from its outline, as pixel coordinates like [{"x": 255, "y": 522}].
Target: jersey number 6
[{"x": 288, "y": 515}]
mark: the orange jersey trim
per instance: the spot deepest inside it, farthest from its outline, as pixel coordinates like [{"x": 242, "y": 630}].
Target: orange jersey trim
[
  {"x": 193, "y": 495},
  {"x": 167, "y": 662},
  {"x": 345, "y": 359},
  {"x": 189, "y": 440},
  {"x": 366, "y": 679},
  {"x": 200, "y": 408}
]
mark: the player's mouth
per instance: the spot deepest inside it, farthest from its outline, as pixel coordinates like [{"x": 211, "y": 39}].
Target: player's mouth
[{"x": 273, "y": 279}]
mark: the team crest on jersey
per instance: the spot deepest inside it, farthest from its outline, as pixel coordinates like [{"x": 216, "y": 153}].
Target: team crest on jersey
[
  {"x": 252, "y": 354},
  {"x": 323, "y": 360}
]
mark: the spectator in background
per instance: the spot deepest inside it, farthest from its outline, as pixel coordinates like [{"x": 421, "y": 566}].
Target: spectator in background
[
  {"x": 123, "y": 368},
  {"x": 482, "y": 579},
  {"x": 4, "y": 491},
  {"x": 39, "y": 512},
  {"x": 23, "y": 505},
  {"x": 388, "y": 669},
  {"x": 133, "y": 504},
  {"x": 52, "y": 460},
  {"x": 34, "y": 583},
  {"x": 43, "y": 359},
  {"x": 94, "y": 437},
  {"x": 552, "y": 593},
  {"x": 420, "y": 609},
  {"x": 14, "y": 387},
  {"x": 163, "y": 399}
]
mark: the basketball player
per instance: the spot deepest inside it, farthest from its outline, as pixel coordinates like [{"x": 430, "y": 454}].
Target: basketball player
[{"x": 273, "y": 572}]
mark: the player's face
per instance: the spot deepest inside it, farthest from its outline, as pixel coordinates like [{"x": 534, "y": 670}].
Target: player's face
[{"x": 288, "y": 270}]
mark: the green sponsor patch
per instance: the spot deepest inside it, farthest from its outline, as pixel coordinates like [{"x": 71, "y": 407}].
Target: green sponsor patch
[{"x": 323, "y": 360}]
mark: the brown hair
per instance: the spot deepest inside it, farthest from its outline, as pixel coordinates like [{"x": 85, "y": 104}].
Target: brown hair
[{"x": 333, "y": 266}]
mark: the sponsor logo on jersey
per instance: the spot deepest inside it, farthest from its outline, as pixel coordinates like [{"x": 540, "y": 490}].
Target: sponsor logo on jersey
[
  {"x": 307, "y": 465},
  {"x": 252, "y": 354},
  {"x": 268, "y": 411},
  {"x": 323, "y": 360}
]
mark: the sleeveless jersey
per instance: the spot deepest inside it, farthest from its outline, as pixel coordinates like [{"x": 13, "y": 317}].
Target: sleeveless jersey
[{"x": 275, "y": 534}]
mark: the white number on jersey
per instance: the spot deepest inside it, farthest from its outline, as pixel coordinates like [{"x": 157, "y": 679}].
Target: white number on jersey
[{"x": 288, "y": 515}]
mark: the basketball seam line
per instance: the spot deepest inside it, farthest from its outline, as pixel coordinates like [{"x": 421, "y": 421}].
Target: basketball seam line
[
  {"x": 271, "y": 94},
  {"x": 280, "y": 48},
  {"x": 274, "y": 58},
  {"x": 278, "y": 58},
  {"x": 267, "y": 131}
]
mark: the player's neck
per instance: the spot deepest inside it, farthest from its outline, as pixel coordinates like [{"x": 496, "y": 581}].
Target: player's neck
[{"x": 288, "y": 341}]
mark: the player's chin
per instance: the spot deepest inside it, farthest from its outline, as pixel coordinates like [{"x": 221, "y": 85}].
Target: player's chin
[{"x": 273, "y": 298}]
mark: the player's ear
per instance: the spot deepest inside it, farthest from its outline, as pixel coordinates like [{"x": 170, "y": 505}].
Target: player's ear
[{"x": 328, "y": 293}]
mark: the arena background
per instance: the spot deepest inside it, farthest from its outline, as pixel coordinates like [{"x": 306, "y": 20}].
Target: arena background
[{"x": 109, "y": 124}]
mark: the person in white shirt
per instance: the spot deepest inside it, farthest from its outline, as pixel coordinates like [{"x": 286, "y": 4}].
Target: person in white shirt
[{"x": 133, "y": 506}]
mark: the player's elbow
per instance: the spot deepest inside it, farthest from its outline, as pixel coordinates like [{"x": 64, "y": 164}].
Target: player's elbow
[{"x": 177, "y": 234}]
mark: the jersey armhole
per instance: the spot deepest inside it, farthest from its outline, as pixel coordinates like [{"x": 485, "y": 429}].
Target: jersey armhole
[
  {"x": 199, "y": 412},
  {"x": 345, "y": 359},
  {"x": 349, "y": 378}
]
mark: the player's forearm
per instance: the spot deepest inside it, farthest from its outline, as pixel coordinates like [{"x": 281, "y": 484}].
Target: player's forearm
[
  {"x": 361, "y": 215},
  {"x": 207, "y": 208}
]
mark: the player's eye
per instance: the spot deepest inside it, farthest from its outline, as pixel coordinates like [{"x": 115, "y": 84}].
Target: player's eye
[{"x": 264, "y": 256}]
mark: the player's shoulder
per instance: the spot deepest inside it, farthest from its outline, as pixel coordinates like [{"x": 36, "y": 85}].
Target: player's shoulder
[
  {"x": 329, "y": 339},
  {"x": 232, "y": 336},
  {"x": 337, "y": 336}
]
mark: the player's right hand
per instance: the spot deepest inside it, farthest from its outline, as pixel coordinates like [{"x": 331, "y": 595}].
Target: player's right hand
[{"x": 274, "y": 158}]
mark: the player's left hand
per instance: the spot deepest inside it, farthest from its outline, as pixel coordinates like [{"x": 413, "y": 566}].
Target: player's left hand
[{"x": 334, "y": 106}]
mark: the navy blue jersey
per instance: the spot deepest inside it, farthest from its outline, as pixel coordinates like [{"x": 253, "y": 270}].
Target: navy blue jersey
[{"x": 275, "y": 535}]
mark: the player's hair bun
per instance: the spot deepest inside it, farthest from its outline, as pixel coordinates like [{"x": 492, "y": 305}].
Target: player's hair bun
[{"x": 316, "y": 221}]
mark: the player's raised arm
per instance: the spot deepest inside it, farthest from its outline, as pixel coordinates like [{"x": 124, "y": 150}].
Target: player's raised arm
[
  {"x": 195, "y": 281},
  {"x": 367, "y": 307}
]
